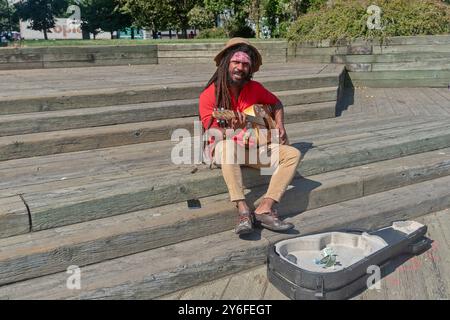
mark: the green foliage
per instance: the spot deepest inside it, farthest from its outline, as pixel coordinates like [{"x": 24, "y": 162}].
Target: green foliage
[
  {"x": 213, "y": 33},
  {"x": 347, "y": 20},
  {"x": 272, "y": 12},
  {"x": 160, "y": 14},
  {"x": 313, "y": 5},
  {"x": 104, "y": 15},
  {"x": 41, "y": 13},
  {"x": 200, "y": 18},
  {"x": 237, "y": 27},
  {"x": 6, "y": 14}
]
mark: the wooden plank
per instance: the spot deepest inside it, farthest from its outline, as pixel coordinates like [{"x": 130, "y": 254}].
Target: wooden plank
[
  {"x": 401, "y": 83},
  {"x": 248, "y": 285},
  {"x": 295, "y": 97},
  {"x": 40, "y": 170},
  {"x": 412, "y": 48},
  {"x": 56, "y": 207},
  {"x": 145, "y": 94},
  {"x": 313, "y": 111},
  {"x": 13, "y": 217},
  {"x": 164, "y": 270},
  {"x": 92, "y": 117},
  {"x": 323, "y": 58},
  {"x": 97, "y": 63},
  {"x": 416, "y": 65},
  {"x": 393, "y": 58},
  {"x": 436, "y": 260},
  {"x": 37, "y": 144},
  {"x": 209, "y": 291},
  {"x": 94, "y": 241},
  {"x": 419, "y": 40},
  {"x": 398, "y": 75},
  {"x": 272, "y": 293},
  {"x": 440, "y": 104}
]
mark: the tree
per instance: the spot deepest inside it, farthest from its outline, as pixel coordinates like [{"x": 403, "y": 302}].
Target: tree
[
  {"x": 149, "y": 14},
  {"x": 273, "y": 14},
  {"x": 200, "y": 18},
  {"x": 6, "y": 14},
  {"x": 179, "y": 10},
  {"x": 255, "y": 12},
  {"x": 103, "y": 15},
  {"x": 41, "y": 13}
]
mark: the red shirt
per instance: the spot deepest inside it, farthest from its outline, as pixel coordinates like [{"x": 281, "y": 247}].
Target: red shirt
[{"x": 252, "y": 93}]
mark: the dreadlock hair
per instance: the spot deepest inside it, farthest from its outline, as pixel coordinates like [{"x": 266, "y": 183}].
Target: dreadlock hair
[{"x": 221, "y": 77}]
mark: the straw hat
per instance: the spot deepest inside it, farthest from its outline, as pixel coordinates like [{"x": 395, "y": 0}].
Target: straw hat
[{"x": 237, "y": 41}]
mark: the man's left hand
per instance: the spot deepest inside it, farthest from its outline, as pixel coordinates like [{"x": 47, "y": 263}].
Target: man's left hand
[{"x": 283, "y": 135}]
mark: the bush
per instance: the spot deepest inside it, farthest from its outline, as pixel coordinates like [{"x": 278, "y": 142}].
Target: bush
[
  {"x": 213, "y": 33},
  {"x": 236, "y": 27},
  {"x": 346, "y": 19}
]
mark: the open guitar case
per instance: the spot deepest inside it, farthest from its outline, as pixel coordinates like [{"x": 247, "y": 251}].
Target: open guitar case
[{"x": 293, "y": 265}]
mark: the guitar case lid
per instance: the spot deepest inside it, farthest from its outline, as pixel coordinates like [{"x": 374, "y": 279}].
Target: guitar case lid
[{"x": 337, "y": 264}]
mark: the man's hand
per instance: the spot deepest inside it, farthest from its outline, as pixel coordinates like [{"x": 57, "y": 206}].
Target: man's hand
[
  {"x": 283, "y": 135},
  {"x": 239, "y": 121}
]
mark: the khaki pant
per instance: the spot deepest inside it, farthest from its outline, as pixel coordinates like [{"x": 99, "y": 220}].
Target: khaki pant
[{"x": 283, "y": 159}]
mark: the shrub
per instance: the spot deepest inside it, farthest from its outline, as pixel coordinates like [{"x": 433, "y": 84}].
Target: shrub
[
  {"x": 237, "y": 27},
  {"x": 213, "y": 33},
  {"x": 346, "y": 19}
]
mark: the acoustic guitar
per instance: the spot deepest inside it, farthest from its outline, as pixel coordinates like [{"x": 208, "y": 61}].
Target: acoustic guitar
[{"x": 258, "y": 116}]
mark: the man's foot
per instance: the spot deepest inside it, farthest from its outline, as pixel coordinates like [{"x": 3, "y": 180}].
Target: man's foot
[
  {"x": 271, "y": 221},
  {"x": 245, "y": 223}
]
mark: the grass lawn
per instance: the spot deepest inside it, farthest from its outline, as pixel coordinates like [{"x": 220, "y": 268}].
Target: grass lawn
[{"x": 115, "y": 42}]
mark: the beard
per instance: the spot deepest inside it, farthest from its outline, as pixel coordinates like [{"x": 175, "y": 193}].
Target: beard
[{"x": 243, "y": 77}]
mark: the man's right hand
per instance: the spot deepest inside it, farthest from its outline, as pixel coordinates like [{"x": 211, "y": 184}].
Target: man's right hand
[{"x": 239, "y": 121}]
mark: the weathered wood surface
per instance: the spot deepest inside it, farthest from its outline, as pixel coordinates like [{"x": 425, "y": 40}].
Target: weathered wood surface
[
  {"x": 65, "y": 202},
  {"x": 426, "y": 59},
  {"x": 154, "y": 93},
  {"x": 168, "y": 269},
  {"x": 35, "y": 83},
  {"x": 39, "y": 173},
  {"x": 404, "y": 78},
  {"x": 63, "y": 57},
  {"x": 14, "y": 217},
  {"x": 412, "y": 48},
  {"x": 438, "y": 57},
  {"x": 403, "y": 40},
  {"x": 423, "y": 277},
  {"x": 95, "y": 241},
  {"x": 25, "y": 123},
  {"x": 96, "y": 200}
]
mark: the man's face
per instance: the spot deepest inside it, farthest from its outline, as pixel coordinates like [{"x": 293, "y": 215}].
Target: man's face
[{"x": 239, "y": 68}]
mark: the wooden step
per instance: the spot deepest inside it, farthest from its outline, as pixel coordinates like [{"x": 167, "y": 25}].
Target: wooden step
[
  {"x": 43, "y": 143},
  {"x": 45, "y": 252},
  {"x": 157, "y": 272},
  {"x": 143, "y": 94},
  {"x": 69, "y": 169},
  {"x": 161, "y": 183},
  {"x": 401, "y": 79},
  {"x": 25, "y": 123},
  {"x": 393, "y": 57}
]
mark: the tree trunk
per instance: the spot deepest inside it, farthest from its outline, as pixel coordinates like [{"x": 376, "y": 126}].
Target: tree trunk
[
  {"x": 45, "y": 34},
  {"x": 258, "y": 28},
  {"x": 132, "y": 33},
  {"x": 170, "y": 33}
]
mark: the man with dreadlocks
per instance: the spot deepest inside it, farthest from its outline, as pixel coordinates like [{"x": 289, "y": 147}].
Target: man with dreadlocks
[{"x": 231, "y": 88}]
